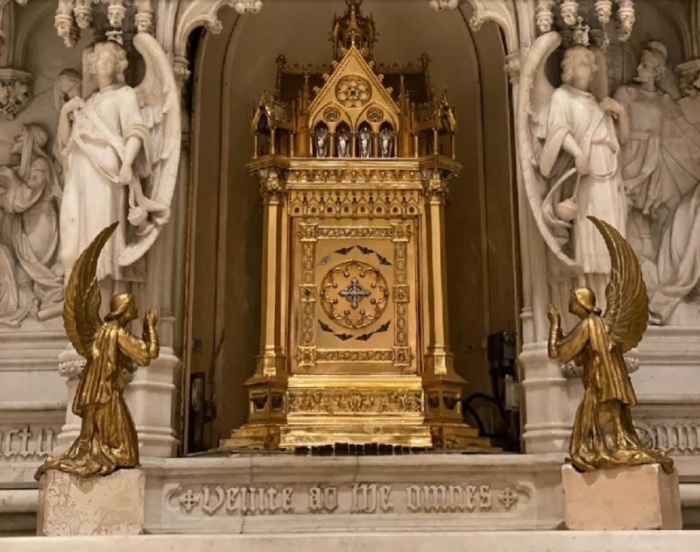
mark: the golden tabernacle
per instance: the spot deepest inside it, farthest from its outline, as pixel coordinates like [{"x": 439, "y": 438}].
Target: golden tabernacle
[{"x": 354, "y": 160}]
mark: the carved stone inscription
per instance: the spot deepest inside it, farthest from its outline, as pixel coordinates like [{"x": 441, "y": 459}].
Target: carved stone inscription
[
  {"x": 356, "y": 498},
  {"x": 25, "y": 443}
]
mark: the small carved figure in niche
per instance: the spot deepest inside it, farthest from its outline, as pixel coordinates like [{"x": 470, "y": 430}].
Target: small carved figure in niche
[
  {"x": 386, "y": 142},
  {"x": 365, "y": 141},
  {"x": 603, "y": 436},
  {"x": 31, "y": 281},
  {"x": 343, "y": 139},
  {"x": 113, "y": 144},
  {"x": 578, "y": 158},
  {"x": 68, "y": 85},
  {"x": 321, "y": 141},
  {"x": 690, "y": 100},
  {"x": 108, "y": 439}
]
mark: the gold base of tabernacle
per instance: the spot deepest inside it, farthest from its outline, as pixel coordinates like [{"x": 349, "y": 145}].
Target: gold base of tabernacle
[
  {"x": 253, "y": 437},
  {"x": 459, "y": 437},
  {"x": 437, "y": 436},
  {"x": 320, "y": 411},
  {"x": 293, "y": 436}
]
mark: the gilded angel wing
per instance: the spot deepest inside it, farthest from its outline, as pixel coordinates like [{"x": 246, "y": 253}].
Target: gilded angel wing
[
  {"x": 627, "y": 313},
  {"x": 81, "y": 309},
  {"x": 533, "y": 112},
  {"x": 160, "y": 106}
]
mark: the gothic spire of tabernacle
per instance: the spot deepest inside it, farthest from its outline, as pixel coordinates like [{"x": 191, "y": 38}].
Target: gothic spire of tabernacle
[{"x": 353, "y": 29}]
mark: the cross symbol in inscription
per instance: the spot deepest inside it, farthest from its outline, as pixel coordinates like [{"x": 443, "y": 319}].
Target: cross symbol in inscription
[
  {"x": 508, "y": 498},
  {"x": 355, "y": 293},
  {"x": 189, "y": 500}
]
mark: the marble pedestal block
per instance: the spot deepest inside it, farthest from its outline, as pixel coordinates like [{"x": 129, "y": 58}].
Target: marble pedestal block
[
  {"x": 111, "y": 505},
  {"x": 637, "y": 497}
]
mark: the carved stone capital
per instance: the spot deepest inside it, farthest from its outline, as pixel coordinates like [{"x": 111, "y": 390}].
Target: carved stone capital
[
  {"x": 15, "y": 91},
  {"x": 116, "y": 12},
  {"x": 71, "y": 368},
  {"x": 181, "y": 68},
  {"x": 544, "y": 15},
  {"x": 82, "y": 11},
  {"x": 441, "y": 5},
  {"x": 625, "y": 19},
  {"x": 67, "y": 28},
  {"x": 512, "y": 67},
  {"x": 72, "y": 16},
  {"x": 246, "y": 6},
  {"x": 144, "y": 16},
  {"x": 576, "y": 19}
]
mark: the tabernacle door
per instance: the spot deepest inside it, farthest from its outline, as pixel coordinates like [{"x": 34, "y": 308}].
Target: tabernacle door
[{"x": 354, "y": 327}]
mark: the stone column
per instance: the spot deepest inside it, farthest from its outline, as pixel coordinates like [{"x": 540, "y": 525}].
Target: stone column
[{"x": 548, "y": 396}]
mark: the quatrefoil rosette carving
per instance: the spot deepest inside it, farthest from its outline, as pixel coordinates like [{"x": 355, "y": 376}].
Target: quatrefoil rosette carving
[
  {"x": 353, "y": 91},
  {"x": 354, "y": 294}
]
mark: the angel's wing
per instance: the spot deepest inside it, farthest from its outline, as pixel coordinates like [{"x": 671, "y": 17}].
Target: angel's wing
[
  {"x": 534, "y": 98},
  {"x": 160, "y": 107},
  {"x": 81, "y": 309},
  {"x": 627, "y": 313}
]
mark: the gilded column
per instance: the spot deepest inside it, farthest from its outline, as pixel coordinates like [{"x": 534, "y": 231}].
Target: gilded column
[
  {"x": 442, "y": 385},
  {"x": 268, "y": 385}
]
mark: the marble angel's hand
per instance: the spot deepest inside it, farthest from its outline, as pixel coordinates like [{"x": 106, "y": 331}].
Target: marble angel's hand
[
  {"x": 612, "y": 107},
  {"x": 126, "y": 175},
  {"x": 71, "y": 105},
  {"x": 583, "y": 166}
]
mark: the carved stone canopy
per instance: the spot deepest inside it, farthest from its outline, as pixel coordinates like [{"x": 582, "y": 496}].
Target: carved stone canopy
[{"x": 15, "y": 91}]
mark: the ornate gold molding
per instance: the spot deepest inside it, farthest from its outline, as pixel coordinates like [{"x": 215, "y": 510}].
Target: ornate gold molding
[
  {"x": 383, "y": 175},
  {"x": 387, "y": 203},
  {"x": 354, "y": 401}
]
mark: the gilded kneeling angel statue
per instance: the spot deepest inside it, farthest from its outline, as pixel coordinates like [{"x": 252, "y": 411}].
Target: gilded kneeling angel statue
[
  {"x": 603, "y": 435},
  {"x": 108, "y": 439}
]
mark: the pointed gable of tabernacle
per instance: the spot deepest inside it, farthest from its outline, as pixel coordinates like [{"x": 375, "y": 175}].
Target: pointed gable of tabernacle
[{"x": 353, "y": 93}]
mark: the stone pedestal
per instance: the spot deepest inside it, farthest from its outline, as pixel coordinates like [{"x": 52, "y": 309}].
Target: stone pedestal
[
  {"x": 638, "y": 497},
  {"x": 112, "y": 505}
]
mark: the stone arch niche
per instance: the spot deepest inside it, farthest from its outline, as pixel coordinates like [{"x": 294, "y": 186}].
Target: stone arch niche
[{"x": 226, "y": 222}]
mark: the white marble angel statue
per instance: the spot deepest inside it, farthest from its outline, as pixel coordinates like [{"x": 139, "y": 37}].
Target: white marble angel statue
[
  {"x": 570, "y": 141},
  {"x": 120, "y": 149}
]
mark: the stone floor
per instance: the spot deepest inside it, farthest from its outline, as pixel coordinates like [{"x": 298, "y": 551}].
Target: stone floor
[{"x": 532, "y": 541}]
